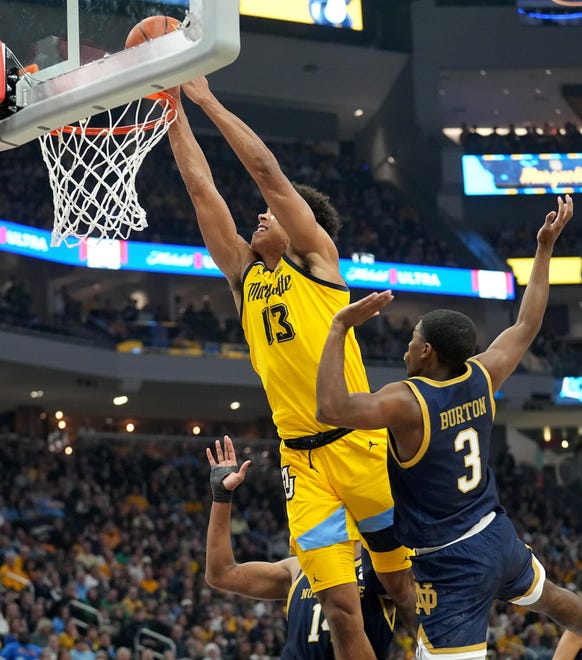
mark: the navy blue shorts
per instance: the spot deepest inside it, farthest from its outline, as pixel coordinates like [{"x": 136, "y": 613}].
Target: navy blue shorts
[{"x": 457, "y": 584}]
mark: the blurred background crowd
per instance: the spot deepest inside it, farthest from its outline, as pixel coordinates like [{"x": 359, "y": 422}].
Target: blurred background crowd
[
  {"x": 103, "y": 553},
  {"x": 378, "y": 221}
]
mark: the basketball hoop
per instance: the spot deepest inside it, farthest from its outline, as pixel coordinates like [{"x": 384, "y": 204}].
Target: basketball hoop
[{"x": 92, "y": 170}]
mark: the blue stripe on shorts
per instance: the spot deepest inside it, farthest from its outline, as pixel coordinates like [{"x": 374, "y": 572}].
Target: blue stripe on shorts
[
  {"x": 377, "y": 522},
  {"x": 329, "y": 532}
]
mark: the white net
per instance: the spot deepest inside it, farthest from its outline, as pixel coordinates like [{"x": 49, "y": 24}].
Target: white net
[{"x": 93, "y": 170}]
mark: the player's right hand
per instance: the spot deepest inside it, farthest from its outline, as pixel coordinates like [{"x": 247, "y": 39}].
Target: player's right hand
[
  {"x": 197, "y": 90},
  {"x": 227, "y": 458},
  {"x": 364, "y": 309}
]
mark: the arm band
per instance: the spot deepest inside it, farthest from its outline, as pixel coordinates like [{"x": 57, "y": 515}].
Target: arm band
[{"x": 219, "y": 492}]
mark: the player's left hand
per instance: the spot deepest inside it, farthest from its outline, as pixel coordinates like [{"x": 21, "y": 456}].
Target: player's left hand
[
  {"x": 364, "y": 309},
  {"x": 556, "y": 221}
]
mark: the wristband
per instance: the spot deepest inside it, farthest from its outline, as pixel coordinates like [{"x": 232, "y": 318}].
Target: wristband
[{"x": 217, "y": 475}]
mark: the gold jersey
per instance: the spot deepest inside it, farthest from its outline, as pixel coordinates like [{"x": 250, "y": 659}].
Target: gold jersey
[{"x": 286, "y": 315}]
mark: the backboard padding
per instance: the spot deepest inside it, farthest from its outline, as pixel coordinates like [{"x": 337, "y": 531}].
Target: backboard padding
[{"x": 73, "y": 92}]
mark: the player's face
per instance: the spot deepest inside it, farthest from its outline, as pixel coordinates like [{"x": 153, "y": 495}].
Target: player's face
[
  {"x": 269, "y": 235},
  {"x": 415, "y": 349}
]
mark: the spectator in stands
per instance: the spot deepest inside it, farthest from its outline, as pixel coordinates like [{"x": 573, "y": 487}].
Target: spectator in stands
[
  {"x": 82, "y": 650},
  {"x": 12, "y": 574},
  {"x": 509, "y": 643},
  {"x": 42, "y": 632},
  {"x": 21, "y": 648},
  {"x": 534, "y": 649}
]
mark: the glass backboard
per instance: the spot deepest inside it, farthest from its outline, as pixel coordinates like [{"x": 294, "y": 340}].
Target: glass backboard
[{"x": 75, "y": 50}]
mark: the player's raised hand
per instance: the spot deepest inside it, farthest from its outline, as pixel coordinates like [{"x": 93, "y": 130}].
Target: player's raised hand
[
  {"x": 555, "y": 222},
  {"x": 224, "y": 471},
  {"x": 360, "y": 311},
  {"x": 197, "y": 90}
]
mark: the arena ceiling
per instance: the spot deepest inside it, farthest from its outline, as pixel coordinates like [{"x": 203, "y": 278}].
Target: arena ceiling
[{"x": 485, "y": 80}]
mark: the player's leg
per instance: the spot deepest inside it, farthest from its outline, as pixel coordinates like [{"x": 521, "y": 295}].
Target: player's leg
[
  {"x": 530, "y": 588},
  {"x": 332, "y": 576},
  {"x": 357, "y": 466},
  {"x": 562, "y": 605},
  {"x": 454, "y": 595},
  {"x": 568, "y": 647},
  {"x": 400, "y": 588},
  {"x": 323, "y": 535}
]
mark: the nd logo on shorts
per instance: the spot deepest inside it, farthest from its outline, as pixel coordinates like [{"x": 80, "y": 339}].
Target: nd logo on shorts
[
  {"x": 426, "y": 598},
  {"x": 288, "y": 482}
]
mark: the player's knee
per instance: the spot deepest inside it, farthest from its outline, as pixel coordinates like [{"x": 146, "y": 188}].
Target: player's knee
[
  {"x": 342, "y": 619},
  {"x": 341, "y": 610}
]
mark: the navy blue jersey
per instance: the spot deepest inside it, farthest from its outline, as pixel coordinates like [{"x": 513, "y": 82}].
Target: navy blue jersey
[
  {"x": 448, "y": 486},
  {"x": 308, "y": 635}
]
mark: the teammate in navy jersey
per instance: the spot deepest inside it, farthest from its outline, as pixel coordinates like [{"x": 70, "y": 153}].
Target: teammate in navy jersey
[
  {"x": 439, "y": 420},
  {"x": 308, "y": 636}
]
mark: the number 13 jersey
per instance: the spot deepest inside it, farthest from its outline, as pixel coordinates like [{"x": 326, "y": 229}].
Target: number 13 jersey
[{"x": 286, "y": 315}]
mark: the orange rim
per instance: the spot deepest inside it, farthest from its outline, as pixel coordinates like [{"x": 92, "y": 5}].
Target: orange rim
[{"x": 159, "y": 97}]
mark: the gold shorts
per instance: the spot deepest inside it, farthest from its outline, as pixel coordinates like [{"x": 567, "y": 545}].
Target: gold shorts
[{"x": 337, "y": 494}]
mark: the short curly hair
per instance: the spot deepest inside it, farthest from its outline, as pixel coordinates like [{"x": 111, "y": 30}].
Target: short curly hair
[
  {"x": 325, "y": 213},
  {"x": 452, "y": 334}
]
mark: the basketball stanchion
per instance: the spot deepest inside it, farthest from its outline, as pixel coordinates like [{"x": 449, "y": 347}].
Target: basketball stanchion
[{"x": 93, "y": 169}]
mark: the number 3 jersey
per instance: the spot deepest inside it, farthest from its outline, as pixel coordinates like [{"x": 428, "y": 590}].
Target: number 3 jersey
[
  {"x": 308, "y": 635},
  {"x": 448, "y": 486},
  {"x": 286, "y": 315}
]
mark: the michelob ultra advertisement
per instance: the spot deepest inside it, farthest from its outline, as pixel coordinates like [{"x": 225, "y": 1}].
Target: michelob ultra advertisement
[{"x": 522, "y": 174}]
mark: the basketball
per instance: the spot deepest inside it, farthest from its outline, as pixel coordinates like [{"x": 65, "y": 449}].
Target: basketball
[{"x": 151, "y": 28}]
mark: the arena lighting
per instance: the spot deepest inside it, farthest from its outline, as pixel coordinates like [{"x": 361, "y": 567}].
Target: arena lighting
[
  {"x": 129, "y": 427},
  {"x": 234, "y": 405},
  {"x": 547, "y": 433},
  {"x": 59, "y": 414},
  {"x": 196, "y": 430},
  {"x": 120, "y": 400},
  {"x": 57, "y": 441}
]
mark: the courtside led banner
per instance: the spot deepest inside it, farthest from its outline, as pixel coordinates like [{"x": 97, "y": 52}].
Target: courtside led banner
[
  {"x": 191, "y": 260},
  {"x": 522, "y": 174}
]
